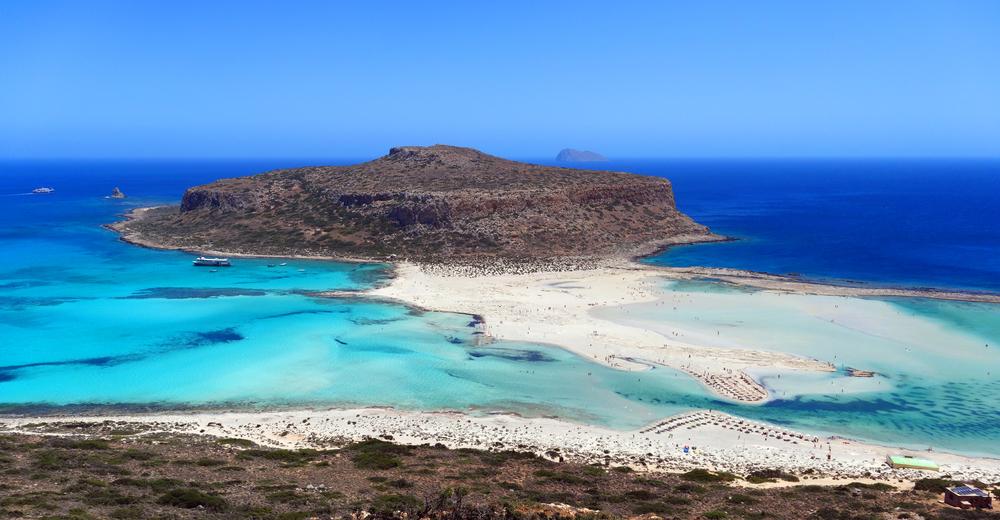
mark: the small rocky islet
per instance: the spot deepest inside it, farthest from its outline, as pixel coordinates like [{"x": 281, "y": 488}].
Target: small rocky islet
[{"x": 573, "y": 155}]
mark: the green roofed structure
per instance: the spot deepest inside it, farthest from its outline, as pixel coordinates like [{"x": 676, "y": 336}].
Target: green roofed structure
[{"x": 902, "y": 461}]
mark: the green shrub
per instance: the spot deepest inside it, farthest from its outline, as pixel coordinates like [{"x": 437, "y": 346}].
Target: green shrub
[
  {"x": 770, "y": 475},
  {"x": 643, "y": 508},
  {"x": 189, "y": 498},
  {"x": 742, "y": 499},
  {"x": 876, "y": 486},
  {"x": 703, "y": 475},
  {"x": 715, "y": 515},
  {"x": 129, "y": 513},
  {"x": 86, "y": 444},
  {"x": 560, "y": 476},
  {"x": 243, "y": 443},
  {"x": 108, "y": 497},
  {"x": 934, "y": 485},
  {"x": 134, "y": 454},
  {"x": 498, "y": 458},
  {"x": 377, "y": 455},
  {"x": 376, "y": 461},
  {"x": 685, "y": 487},
  {"x": 50, "y": 459},
  {"x": 640, "y": 494},
  {"x": 158, "y": 485},
  {"x": 286, "y": 456},
  {"x": 392, "y": 503}
]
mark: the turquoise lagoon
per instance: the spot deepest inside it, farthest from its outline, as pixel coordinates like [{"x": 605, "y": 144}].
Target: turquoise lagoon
[
  {"x": 88, "y": 321},
  {"x": 938, "y": 362}
]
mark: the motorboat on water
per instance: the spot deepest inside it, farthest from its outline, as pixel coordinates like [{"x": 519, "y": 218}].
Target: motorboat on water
[
  {"x": 203, "y": 261},
  {"x": 43, "y": 190}
]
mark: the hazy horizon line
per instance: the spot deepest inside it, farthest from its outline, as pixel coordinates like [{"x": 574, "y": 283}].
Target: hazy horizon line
[{"x": 530, "y": 158}]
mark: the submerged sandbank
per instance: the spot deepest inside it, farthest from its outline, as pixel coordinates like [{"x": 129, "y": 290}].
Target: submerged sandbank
[{"x": 799, "y": 342}]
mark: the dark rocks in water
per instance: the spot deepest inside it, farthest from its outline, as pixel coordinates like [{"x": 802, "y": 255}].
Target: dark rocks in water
[
  {"x": 226, "y": 335},
  {"x": 571, "y": 155},
  {"x": 7, "y": 373},
  {"x": 116, "y": 194},
  {"x": 372, "y": 321},
  {"x": 428, "y": 204},
  {"x": 477, "y": 320},
  {"x": 183, "y": 293},
  {"x": 455, "y": 341},
  {"x": 511, "y": 354}
]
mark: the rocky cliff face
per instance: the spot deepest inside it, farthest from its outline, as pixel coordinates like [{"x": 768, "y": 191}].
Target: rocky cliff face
[{"x": 438, "y": 203}]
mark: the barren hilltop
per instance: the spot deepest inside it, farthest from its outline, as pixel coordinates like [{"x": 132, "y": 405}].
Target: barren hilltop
[{"x": 430, "y": 204}]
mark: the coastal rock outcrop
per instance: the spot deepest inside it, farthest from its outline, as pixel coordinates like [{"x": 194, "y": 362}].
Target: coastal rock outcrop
[
  {"x": 571, "y": 155},
  {"x": 116, "y": 194},
  {"x": 436, "y": 203}
]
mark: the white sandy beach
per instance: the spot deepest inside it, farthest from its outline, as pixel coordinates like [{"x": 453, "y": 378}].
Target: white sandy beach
[
  {"x": 714, "y": 440},
  {"x": 563, "y": 308},
  {"x": 557, "y": 308}
]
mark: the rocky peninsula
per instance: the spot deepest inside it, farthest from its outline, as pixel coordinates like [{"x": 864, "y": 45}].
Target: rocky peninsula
[{"x": 426, "y": 204}]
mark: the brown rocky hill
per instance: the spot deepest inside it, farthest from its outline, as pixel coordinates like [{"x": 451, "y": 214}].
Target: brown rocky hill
[{"x": 436, "y": 203}]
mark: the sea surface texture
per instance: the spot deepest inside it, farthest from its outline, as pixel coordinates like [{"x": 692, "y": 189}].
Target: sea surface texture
[
  {"x": 901, "y": 223},
  {"x": 88, "y": 321}
]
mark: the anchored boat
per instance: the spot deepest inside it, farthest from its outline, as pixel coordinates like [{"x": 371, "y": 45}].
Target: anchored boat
[{"x": 202, "y": 261}]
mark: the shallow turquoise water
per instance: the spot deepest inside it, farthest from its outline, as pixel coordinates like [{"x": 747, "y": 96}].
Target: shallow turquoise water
[
  {"x": 88, "y": 320},
  {"x": 938, "y": 361}
]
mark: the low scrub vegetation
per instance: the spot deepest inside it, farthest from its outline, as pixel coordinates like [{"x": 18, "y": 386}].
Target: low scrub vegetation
[{"x": 186, "y": 477}]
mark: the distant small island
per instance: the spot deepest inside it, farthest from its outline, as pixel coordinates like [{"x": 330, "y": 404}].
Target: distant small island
[
  {"x": 428, "y": 204},
  {"x": 116, "y": 194},
  {"x": 571, "y": 155}
]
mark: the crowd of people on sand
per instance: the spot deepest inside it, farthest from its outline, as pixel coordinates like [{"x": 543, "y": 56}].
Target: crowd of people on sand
[
  {"x": 502, "y": 266},
  {"x": 735, "y": 385},
  {"x": 698, "y": 419}
]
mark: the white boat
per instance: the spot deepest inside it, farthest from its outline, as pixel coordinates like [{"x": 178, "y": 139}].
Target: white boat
[
  {"x": 43, "y": 190},
  {"x": 202, "y": 261}
]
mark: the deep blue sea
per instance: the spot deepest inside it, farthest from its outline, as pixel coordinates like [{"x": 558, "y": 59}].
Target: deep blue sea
[
  {"x": 919, "y": 223},
  {"x": 86, "y": 319}
]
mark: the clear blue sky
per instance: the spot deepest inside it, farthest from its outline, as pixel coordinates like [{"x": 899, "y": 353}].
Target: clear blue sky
[{"x": 521, "y": 79}]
